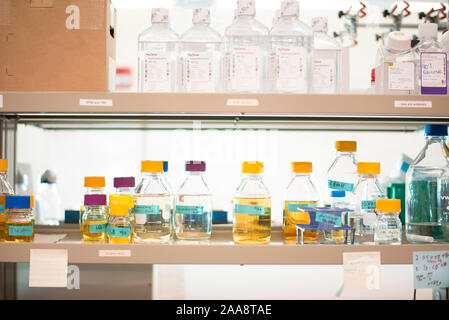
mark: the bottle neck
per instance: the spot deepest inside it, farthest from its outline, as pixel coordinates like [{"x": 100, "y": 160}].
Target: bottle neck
[
  {"x": 289, "y": 18},
  {"x": 245, "y": 17},
  {"x": 89, "y": 190},
  {"x": 345, "y": 154},
  {"x": 368, "y": 176},
  {"x": 388, "y": 214},
  {"x": 301, "y": 174},
  {"x": 433, "y": 139},
  {"x": 152, "y": 175},
  {"x": 124, "y": 190}
]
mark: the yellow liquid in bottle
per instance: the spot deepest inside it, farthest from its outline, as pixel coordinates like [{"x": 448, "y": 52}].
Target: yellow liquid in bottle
[
  {"x": 2, "y": 227},
  {"x": 339, "y": 236},
  {"x": 18, "y": 238},
  {"x": 89, "y": 236},
  {"x": 293, "y": 218},
  {"x": 82, "y": 209},
  {"x": 125, "y": 227},
  {"x": 252, "y": 229}
]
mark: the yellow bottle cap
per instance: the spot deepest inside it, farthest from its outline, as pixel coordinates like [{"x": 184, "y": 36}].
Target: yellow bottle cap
[
  {"x": 252, "y": 167},
  {"x": 122, "y": 198},
  {"x": 3, "y": 164},
  {"x": 368, "y": 168},
  {"x": 152, "y": 166},
  {"x": 302, "y": 167},
  {"x": 118, "y": 209},
  {"x": 94, "y": 182},
  {"x": 31, "y": 201},
  {"x": 388, "y": 205},
  {"x": 346, "y": 146}
]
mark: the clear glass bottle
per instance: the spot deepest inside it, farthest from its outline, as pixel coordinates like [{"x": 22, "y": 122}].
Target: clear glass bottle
[
  {"x": 367, "y": 190},
  {"x": 427, "y": 188},
  {"x": 432, "y": 61},
  {"x": 92, "y": 185},
  {"x": 95, "y": 218},
  {"x": 291, "y": 52},
  {"x": 119, "y": 229},
  {"x": 152, "y": 205},
  {"x": 48, "y": 202},
  {"x": 200, "y": 56},
  {"x": 128, "y": 200},
  {"x": 246, "y": 47},
  {"x": 172, "y": 197},
  {"x": 388, "y": 227},
  {"x": 19, "y": 224},
  {"x": 327, "y": 60},
  {"x": 397, "y": 66},
  {"x": 5, "y": 189},
  {"x": 338, "y": 200},
  {"x": 300, "y": 193},
  {"x": 124, "y": 185},
  {"x": 252, "y": 207},
  {"x": 193, "y": 204},
  {"x": 157, "y": 55}
]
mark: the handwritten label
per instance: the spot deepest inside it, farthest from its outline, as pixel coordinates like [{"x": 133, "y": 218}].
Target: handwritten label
[
  {"x": 96, "y": 102},
  {"x": 142, "y": 209},
  {"x": 430, "y": 269},
  {"x": 249, "y": 209},
  {"x": 119, "y": 231},
  {"x": 412, "y": 104},
  {"x": 2, "y": 209},
  {"x": 242, "y": 102},
  {"x": 24, "y": 231},
  {"x": 97, "y": 228},
  {"x": 433, "y": 73},
  {"x": 189, "y": 209},
  {"x": 339, "y": 185},
  {"x": 114, "y": 253},
  {"x": 328, "y": 218},
  {"x": 48, "y": 268},
  {"x": 361, "y": 270},
  {"x": 369, "y": 204},
  {"x": 296, "y": 207}
]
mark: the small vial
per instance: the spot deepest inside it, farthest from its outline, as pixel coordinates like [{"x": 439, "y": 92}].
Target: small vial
[
  {"x": 388, "y": 228},
  {"x": 193, "y": 205},
  {"x": 128, "y": 201},
  {"x": 95, "y": 218},
  {"x": 92, "y": 185},
  {"x": 19, "y": 223},
  {"x": 119, "y": 227}
]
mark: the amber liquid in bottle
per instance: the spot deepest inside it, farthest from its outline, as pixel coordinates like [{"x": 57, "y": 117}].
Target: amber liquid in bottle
[
  {"x": 91, "y": 234},
  {"x": 291, "y": 219},
  {"x": 18, "y": 238},
  {"x": 249, "y": 228}
]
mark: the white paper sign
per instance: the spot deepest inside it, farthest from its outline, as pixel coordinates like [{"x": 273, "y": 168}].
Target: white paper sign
[
  {"x": 48, "y": 268},
  {"x": 96, "y": 102},
  {"x": 114, "y": 253},
  {"x": 361, "y": 270}
]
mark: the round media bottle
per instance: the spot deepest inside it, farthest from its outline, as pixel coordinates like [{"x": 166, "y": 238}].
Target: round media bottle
[
  {"x": 19, "y": 223},
  {"x": 388, "y": 227},
  {"x": 95, "y": 218}
]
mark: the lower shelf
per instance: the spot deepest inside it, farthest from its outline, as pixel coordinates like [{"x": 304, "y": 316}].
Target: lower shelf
[{"x": 220, "y": 249}]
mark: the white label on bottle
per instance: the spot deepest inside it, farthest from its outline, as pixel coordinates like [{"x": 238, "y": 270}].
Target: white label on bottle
[
  {"x": 199, "y": 72},
  {"x": 140, "y": 218},
  {"x": 401, "y": 76},
  {"x": 289, "y": 71},
  {"x": 324, "y": 73},
  {"x": 96, "y": 102},
  {"x": 245, "y": 68},
  {"x": 387, "y": 234},
  {"x": 412, "y": 104},
  {"x": 433, "y": 69},
  {"x": 157, "y": 73}
]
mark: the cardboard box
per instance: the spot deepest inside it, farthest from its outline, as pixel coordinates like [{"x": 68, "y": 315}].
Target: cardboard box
[{"x": 57, "y": 45}]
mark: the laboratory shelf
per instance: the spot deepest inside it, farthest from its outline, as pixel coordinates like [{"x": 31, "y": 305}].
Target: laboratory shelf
[
  {"x": 219, "y": 250},
  {"x": 304, "y": 106}
]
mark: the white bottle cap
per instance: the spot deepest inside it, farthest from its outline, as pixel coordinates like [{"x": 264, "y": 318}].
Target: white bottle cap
[
  {"x": 427, "y": 31},
  {"x": 399, "y": 41},
  {"x": 159, "y": 15},
  {"x": 445, "y": 40},
  {"x": 246, "y": 8},
  {"x": 201, "y": 16},
  {"x": 319, "y": 24},
  {"x": 290, "y": 8}
]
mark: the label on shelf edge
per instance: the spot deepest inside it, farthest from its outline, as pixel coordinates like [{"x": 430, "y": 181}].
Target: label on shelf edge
[
  {"x": 114, "y": 253},
  {"x": 242, "y": 102},
  {"x": 412, "y": 104},
  {"x": 96, "y": 102}
]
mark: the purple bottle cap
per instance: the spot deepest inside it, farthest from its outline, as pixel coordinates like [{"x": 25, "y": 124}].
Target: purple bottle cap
[
  {"x": 198, "y": 166},
  {"x": 124, "y": 182},
  {"x": 94, "y": 199}
]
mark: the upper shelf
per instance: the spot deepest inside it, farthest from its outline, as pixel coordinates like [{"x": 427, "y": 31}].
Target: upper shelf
[{"x": 306, "y": 106}]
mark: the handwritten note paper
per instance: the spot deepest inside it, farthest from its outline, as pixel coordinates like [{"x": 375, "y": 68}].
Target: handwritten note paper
[
  {"x": 48, "y": 268},
  {"x": 431, "y": 269},
  {"x": 361, "y": 270}
]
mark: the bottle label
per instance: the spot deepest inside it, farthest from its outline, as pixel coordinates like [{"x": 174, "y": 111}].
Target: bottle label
[
  {"x": 324, "y": 76},
  {"x": 250, "y": 209},
  {"x": 189, "y": 209},
  {"x": 328, "y": 218},
  {"x": 119, "y": 231},
  {"x": 401, "y": 76},
  {"x": 338, "y": 185},
  {"x": 26, "y": 231},
  {"x": 295, "y": 207},
  {"x": 199, "y": 73},
  {"x": 433, "y": 73},
  {"x": 369, "y": 204},
  {"x": 143, "y": 209},
  {"x": 289, "y": 68},
  {"x": 384, "y": 233},
  {"x": 244, "y": 68},
  {"x": 97, "y": 228},
  {"x": 2, "y": 209},
  {"x": 156, "y": 72}
]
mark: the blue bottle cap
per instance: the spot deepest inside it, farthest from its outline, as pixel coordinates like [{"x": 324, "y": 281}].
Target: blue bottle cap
[
  {"x": 165, "y": 166},
  {"x": 338, "y": 194},
  {"x": 435, "y": 130},
  {"x": 17, "y": 202}
]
